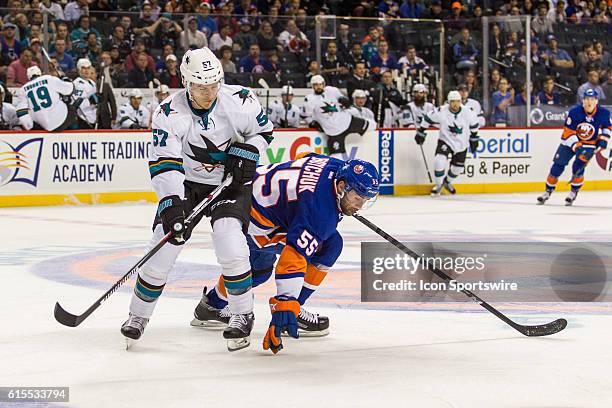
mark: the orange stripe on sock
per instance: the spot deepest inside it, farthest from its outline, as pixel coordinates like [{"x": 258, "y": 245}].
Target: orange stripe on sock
[
  {"x": 577, "y": 180},
  {"x": 314, "y": 276},
  {"x": 552, "y": 180},
  {"x": 221, "y": 287}
]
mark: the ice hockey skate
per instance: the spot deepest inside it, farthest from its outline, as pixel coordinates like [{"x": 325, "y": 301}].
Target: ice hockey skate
[
  {"x": 133, "y": 328},
  {"x": 448, "y": 186},
  {"x": 208, "y": 316},
  {"x": 571, "y": 197},
  {"x": 238, "y": 331},
  {"x": 543, "y": 198}
]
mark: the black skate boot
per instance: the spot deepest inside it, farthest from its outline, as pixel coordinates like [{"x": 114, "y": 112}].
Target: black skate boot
[
  {"x": 133, "y": 328},
  {"x": 436, "y": 190},
  {"x": 448, "y": 186},
  {"x": 210, "y": 317},
  {"x": 571, "y": 197},
  {"x": 238, "y": 331},
  {"x": 312, "y": 324},
  {"x": 543, "y": 198}
]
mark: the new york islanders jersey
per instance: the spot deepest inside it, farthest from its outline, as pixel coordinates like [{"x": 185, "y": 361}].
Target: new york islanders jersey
[
  {"x": 190, "y": 143},
  {"x": 586, "y": 129},
  {"x": 455, "y": 127},
  {"x": 295, "y": 203},
  {"x": 40, "y": 101}
]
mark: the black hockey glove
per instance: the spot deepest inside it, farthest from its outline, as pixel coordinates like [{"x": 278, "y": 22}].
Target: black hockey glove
[
  {"x": 419, "y": 138},
  {"x": 344, "y": 102},
  {"x": 241, "y": 163},
  {"x": 172, "y": 215},
  {"x": 473, "y": 142},
  {"x": 315, "y": 125}
]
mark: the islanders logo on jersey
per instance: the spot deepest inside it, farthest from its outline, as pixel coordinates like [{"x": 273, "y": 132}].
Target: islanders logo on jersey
[
  {"x": 585, "y": 131},
  {"x": 358, "y": 169},
  {"x": 21, "y": 163}
]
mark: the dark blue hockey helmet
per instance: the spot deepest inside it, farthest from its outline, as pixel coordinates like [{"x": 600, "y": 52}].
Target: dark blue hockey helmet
[{"x": 360, "y": 176}]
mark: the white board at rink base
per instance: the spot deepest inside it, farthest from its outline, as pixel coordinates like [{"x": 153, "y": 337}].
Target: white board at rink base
[{"x": 112, "y": 166}]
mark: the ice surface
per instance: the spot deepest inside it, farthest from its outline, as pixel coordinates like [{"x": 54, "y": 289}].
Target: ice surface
[{"x": 374, "y": 356}]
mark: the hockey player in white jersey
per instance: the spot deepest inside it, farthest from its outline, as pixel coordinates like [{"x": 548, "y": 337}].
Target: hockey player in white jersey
[
  {"x": 201, "y": 134},
  {"x": 458, "y": 130},
  {"x": 323, "y": 111},
  {"x": 359, "y": 109},
  {"x": 473, "y": 104},
  {"x": 133, "y": 114},
  {"x": 85, "y": 95},
  {"x": 41, "y": 102},
  {"x": 161, "y": 93},
  {"x": 8, "y": 114},
  {"x": 413, "y": 112},
  {"x": 283, "y": 113}
]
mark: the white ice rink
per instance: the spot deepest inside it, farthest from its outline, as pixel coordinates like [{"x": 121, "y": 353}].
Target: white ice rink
[{"x": 374, "y": 357}]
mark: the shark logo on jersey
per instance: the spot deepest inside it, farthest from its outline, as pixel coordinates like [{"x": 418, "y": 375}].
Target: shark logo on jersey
[
  {"x": 329, "y": 108},
  {"x": 210, "y": 157},
  {"x": 244, "y": 94},
  {"x": 20, "y": 163},
  {"x": 455, "y": 129},
  {"x": 166, "y": 109},
  {"x": 206, "y": 122}
]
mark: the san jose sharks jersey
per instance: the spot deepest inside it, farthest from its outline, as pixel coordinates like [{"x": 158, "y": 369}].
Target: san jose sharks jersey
[
  {"x": 330, "y": 94},
  {"x": 295, "y": 203},
  {"x": 476, "y": 107},
  {"x": 276, "y": 113},
  {"x": 413, "y": 113},
  {"x": 130, "y": 118},
  {"x": 85, "y": 90},
  {"x": 191, "y": 144},
  {"x": 455, "y": 128},
  {"x": 586, "y": 129},
  {"x": 40, "y": 101}
]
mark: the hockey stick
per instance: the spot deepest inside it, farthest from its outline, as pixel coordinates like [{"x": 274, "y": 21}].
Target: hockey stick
[
  {"x": 426, "y": 166},
  {"x": 530, "y": 331},
  {"x": 70, "y": 320},
  {"x": 265, "y": 85}
]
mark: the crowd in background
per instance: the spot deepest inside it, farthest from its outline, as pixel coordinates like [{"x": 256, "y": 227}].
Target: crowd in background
[{"x": 132, "y": 43}]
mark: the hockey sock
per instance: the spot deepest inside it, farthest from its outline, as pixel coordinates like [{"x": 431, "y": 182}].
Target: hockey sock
[
  {"x": 454, "y": 172},
  {"x": 239, "y": 294},
  {"x": 439, "y": 168},
  {"x": 215, "y": 300},
  {"x": 146, "y": 293},
  {"x": 577, "y": 183},
  {"x": 313, "y": 278}
]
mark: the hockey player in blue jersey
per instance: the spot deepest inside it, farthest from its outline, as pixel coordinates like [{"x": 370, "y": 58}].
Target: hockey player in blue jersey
[
  {"x": 587, "y": 130},
  {"x": 296, "y": 208}
]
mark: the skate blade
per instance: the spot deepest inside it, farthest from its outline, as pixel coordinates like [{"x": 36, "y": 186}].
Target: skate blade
[
  {"x": 238, "y": 344},
  {"x": 569, "y": 203},
  {"x": 208, "y": 324},
  {"x": 317, "y": 333},
  {"x": 129, "y": 343}
]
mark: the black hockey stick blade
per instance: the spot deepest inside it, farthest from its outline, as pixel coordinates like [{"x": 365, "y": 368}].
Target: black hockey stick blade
[
  {"x": 542, "y": 329},
  {"x": 67, "y": 318}
]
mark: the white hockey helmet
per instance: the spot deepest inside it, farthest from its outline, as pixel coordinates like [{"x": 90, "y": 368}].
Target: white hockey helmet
[
  {"x": 419, "y": 88},
  {"x": 202, "y": 67},
  {"x": 287, "y": 90},
  {"x": 33, "y": 71},
  {"x": 453, "y": 96},
  {"x": 135, "y": 93},
  {"x": 359, "y": 93},
  {"x": 83, "y": 63},
  {"x": 163, "y": 88},
  {"x": 317, "y": 79}
]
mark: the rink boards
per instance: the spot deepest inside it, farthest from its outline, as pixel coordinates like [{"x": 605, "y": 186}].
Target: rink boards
[{"x": 112, "y": 166}]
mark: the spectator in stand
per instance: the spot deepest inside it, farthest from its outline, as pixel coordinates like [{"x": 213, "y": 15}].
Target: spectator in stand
[
  {"x": 496, "y": 43},
  {"x": 292, "y": 39},
  {"x": 547, "y": 96},
  {"x": 592, "y": 83},
  {"x": 370, "y": 43},
  {"x": 541, "y": 25},
  {"x": 557, "y": 57},
  {"x": 224, "y": 18},
  {"x": 84, "y": 28},
  {"x": 355, "y": 56},
  {"x": 171, "y": 76},
  {"x": 64, "y": 60},
  {"x": 494, "y": 80},
  {"x": 278, "y": 24},
  {"x": 474, "y": 23},
  {"x": 383, "y": 60},
  {"x": 221, "y": 38},
  {"x": 62, "y": 33},
  {"x": 165, "y": 31},
  {"x": 465, "y": 51},
  {"x": 110, "y": 69},
  {"x": 274, "y": 59},
  {"x": 75, "y": 9},
  {"x": 34, "y": 33},
  {"x": 206, "y": 23},
  {"x": 139, "y": 48},
  {"x": 126, "y": 23},
  {"x": 411, "y": 9},
  {"x": 500, "y": 100},
  {"x": 435, "y": 11},
  {"x": 16, "y": 71},
  {"x": 21, "y": 21},
  {"x": 302, "y": 21},
  {"x": 412, "y": 62},
  {"x": 573, "y": 11},
  {"x": 514, "y": 24},
  {"x": 94, "y": 48},
  {"x": 557, "y": 14},
  {"x": 456, "y": 20},
  {"x": 528, "y": 8},
  {"x": 343, "y": 41},
  {"x": 36, "y": 48},
  {"x": 333, "y": 67},
  {"x": 606, "y": 58},
  {"x": 192, "y": 37},
  {"x": 254, "y": 62},
  {"x": 174, "y": 6},
  {"x": 593, "y": 63},
  {"x": 469, "y": 79},
  {"x": 359, "y": 80},
  {"x": 146, "y": 16},
  {"x": 312, "y": 70},
  {"x": 228, "y": 65},
  {"x": 160, "y": 64},
  {"x": 521, "y": 98},
  {"x": 583, "y": 56},
  {"x": 266, "y": 38},
  {"x": 52, "y": 8},
  {"x": 245, "y": 37},
  {"x": 141, "y": 74},
  {"x": 117, "y": 39},
  {"x": 607, "y": 88},
  {"x": 11, "y": 48}
]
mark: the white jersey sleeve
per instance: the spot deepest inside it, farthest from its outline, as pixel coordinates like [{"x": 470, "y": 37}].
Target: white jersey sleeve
[
  {"x": 85, "y": 93},
  {"x": 430, "y": 118},
  {"x": 8, "y": 116},
  {"x": 253, "y": 124},
  {"x": 477, "y": 108}
]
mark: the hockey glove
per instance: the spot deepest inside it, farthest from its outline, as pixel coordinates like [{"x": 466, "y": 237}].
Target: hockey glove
[
  {"x": 585, "y": 153},
  {"x": 170, "y": 211},
  {"x": 315, "y": 125},
  {"x": 419, "y": 138},
  {"x": 473, "y": 143},
  {"x": 241, "y": 163},
  {"x": 344, "y": 102},
  {"x": 602, "y": 143},
  {"x": 285, "y": 311}
]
